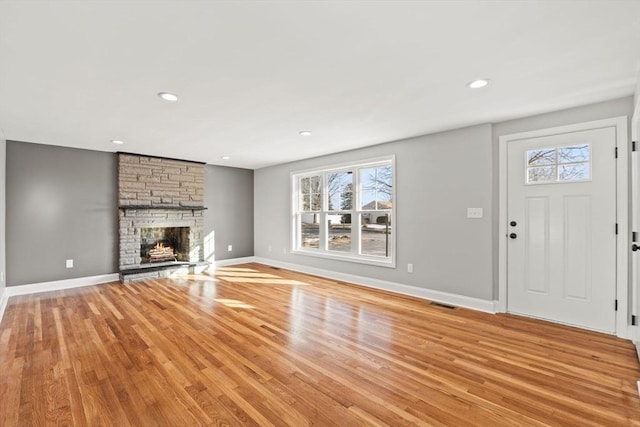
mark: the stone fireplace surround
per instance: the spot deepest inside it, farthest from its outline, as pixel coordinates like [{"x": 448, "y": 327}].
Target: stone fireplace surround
[{"x": 159, "y": 192}]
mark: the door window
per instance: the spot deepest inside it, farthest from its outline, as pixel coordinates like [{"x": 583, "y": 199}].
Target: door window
[{"x": 558, "y": 164}]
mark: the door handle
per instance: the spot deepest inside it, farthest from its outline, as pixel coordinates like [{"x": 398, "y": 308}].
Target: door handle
[
  {"x": 514, "y": 235},
  {"x": 635, "y": 247}
]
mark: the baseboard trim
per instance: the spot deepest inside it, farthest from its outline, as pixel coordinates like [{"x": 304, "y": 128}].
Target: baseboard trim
[
  {"x": 4, "y": 299},
  {"x": 233, "y": 261},
  {"x": 61, "y": 284},
  {"x": 428, "y": 294}
]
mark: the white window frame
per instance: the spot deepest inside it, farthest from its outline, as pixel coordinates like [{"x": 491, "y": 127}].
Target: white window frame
[{"x": 323, "y": 251}]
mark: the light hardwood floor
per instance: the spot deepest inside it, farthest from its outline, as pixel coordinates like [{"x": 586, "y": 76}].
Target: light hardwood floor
[{"x": 263, "y": 346}]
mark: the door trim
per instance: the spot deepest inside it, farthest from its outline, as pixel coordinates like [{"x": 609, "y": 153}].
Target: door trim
[
  {"x": 622, "y": 210},
  {"x": 634, "y": 291}
]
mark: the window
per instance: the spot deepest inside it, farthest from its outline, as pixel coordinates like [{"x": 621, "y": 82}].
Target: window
[
  {"x": 346, "y": 212},
  {"x": 561, "y": 164}
]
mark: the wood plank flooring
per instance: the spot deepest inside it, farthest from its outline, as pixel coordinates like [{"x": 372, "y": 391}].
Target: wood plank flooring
[{"x": 261, "y": 346}]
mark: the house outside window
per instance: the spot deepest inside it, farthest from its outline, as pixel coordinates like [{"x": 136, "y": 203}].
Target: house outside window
[{"x": 346, "y": 212}]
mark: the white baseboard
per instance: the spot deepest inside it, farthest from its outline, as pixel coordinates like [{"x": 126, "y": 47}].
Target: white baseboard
[
  {"x": 233, "y": 261},
  {"x": 4, "y": 299},
  {"x": 61, "y": 284},
  {"x": 428, "y": 294}
]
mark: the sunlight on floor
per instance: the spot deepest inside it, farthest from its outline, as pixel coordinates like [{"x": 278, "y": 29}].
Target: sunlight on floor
[
  {"x": 202, "y": 277},
  {"x": 249, "y": 275},
  {"x": 264, "y": 281},
  {"x": 243, "y": 274},
  {"x": 233, "y": 303}
]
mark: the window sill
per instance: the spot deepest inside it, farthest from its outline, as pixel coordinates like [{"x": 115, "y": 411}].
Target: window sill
[{"x": 388, "y": 263}]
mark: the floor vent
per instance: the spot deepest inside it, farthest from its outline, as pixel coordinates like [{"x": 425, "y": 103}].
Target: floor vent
[
  {"x": 441, "y": 305},
  {"x": 275, "y": 268}
]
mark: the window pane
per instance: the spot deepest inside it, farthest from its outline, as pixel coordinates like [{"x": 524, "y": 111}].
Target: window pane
[
  {"x": 574, "y": 172},
  {"x": 376, "y": 188},
  {"x": 316, "y": 202},
  {"x": 304, "y": 185},
  {"x": 575, "y": 153},
  {"x": 310, "y": 193},
  {"x": 309, "y": 230},
  {"x": 542, "y": 174},
  {"x": 340, "y": 188},
  {"x": 541, "y": 157},
  {"x": 376, "y": 234},
  {"x": 339, "y": 233}
]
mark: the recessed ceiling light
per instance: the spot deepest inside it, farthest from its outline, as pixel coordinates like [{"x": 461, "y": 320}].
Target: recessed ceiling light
[
  {"x": 117, "y": 141},
  {"x": 168, "y": 96},
  {"x": 225, "y": 158},
  {"x": 477, "y": 84},
  {"x": 305, "y": 132}
]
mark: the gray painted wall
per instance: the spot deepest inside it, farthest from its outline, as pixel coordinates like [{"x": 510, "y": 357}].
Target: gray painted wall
[
  {"x": 228, "y": 220},
  {"x": 3, "y": 163},
  {"x": 437, "y": 178},
  {"x": 61, "y": 204},
  {"x": 601, "y": 110}
]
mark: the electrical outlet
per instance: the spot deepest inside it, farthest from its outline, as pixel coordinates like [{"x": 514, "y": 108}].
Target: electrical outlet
[
  {"x": 69, "y": 263},
  {"x": 474, "y": 213},
  {"x": 409, "y": 268},
  {"x": 284, "y": 251},
  {"x": 1, "y": 276},
  {"x": 230, "y": 248},
  {"x": 269, "y": 248}
]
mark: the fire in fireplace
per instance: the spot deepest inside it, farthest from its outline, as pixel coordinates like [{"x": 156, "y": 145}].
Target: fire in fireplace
[
  {"x": 160, "y": 252},
  {"x": 163, "y": 244}
]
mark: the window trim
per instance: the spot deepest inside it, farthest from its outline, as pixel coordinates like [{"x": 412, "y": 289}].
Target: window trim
[{"x": 295, "y": 177}]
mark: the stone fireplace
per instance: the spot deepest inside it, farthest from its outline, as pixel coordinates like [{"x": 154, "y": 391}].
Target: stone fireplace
[{"x": 161, "y": 206}]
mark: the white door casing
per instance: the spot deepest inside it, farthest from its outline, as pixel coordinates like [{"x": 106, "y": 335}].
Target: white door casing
[
  {"x": 634, "y": 302},
  {"x": 566, "y": 263}
]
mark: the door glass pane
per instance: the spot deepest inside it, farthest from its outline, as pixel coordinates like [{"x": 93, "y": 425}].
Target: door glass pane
[
  {"x": 545, "y": 156},
  {"x": 339, "y": 238},
  {"x": 340, "y": 189},
  {"x": 574, "y": 172},
  {"x": 542, "y": 174},
  {"x": 309, "y": 230},
  {"x": 575, "y": 153},
  {"x": 376, "y": 233}
]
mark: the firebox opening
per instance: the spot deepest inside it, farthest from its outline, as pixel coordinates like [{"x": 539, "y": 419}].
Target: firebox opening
[{"x": 162, "y": 244}]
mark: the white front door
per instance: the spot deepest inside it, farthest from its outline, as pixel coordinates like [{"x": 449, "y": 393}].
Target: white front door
[{"x": 561, "y": 213}]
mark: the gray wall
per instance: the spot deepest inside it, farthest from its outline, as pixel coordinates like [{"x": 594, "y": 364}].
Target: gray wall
[
  {"x": 228, "y": 220},
  {"x": 601, "y": 110},
  {"x": 61, "y": 204},
  {"x": 3, "y": 163},
  {"x": 437, "y": 178}
]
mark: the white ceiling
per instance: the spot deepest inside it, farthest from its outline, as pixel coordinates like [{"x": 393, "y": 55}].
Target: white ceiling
[{"x": 250, "y": 74}]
